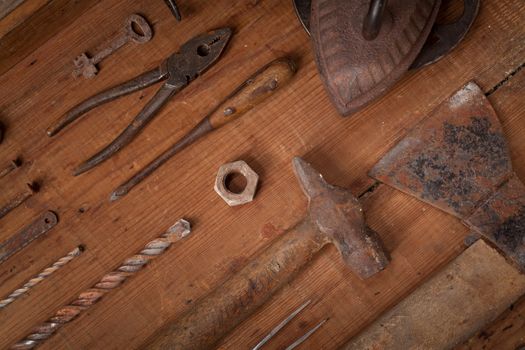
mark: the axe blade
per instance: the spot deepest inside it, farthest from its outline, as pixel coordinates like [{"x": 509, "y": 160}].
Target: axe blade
[{"x": 457, "y": 160}]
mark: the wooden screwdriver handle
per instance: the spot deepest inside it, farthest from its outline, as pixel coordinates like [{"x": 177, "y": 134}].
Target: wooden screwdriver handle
[
  {"x": 214, "y": 316},
  {"x": 253, "y": 91}
]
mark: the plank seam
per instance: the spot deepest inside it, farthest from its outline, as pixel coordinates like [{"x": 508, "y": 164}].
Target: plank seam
[{"x": 505, "y": 80}]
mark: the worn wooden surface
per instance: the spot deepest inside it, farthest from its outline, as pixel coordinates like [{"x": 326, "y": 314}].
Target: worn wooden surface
[
  {"x": 479, "y": 282},
  {"x": 36, "y": 88},
  {"x": 506, "y": 332}
]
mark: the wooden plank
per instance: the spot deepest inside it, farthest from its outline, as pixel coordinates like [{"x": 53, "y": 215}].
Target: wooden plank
[
  {"x": 41, "y": 26},
  {"x": 19, "y": 15},
  {"x": 429, "y": 318},
  {"x": 508, "y": 332},
  {"x": 299, "y": 121},
  {"x": 7, "y": 6},
  {"x": 505, "y": 333}
]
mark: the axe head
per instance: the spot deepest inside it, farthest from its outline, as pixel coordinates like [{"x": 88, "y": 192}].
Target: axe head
[
  {"x": 457, "y": 160},
  {"x": 338, "y": 217}
]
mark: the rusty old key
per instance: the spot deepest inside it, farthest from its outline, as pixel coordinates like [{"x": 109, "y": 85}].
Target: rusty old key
[{"x": 136, "y": 29}]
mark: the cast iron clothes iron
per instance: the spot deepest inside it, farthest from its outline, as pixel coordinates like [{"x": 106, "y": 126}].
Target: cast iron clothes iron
[
  {"x": 457, "y": 160},
  {"x": 362, "y": 48}
]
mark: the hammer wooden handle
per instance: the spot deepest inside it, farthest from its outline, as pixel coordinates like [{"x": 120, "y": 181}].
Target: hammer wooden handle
[
  {"x": 253, "y": 91},
  {"x": 236, "y": 299},
  {"x": 334, "y": 216}
]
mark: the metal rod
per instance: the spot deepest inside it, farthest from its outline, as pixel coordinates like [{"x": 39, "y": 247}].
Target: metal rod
[
  {"x": 280, "y": 326},
  {"x": 108, "y": 282},
  {"x": 19, "y": 199},
  {"x": 16, "y": 163},
  {"x": 37, "y": 228},
  {"x": 305, "y": 336},
  {"x": 41, "y": 276},
  {"x": 203, "y": 128}
]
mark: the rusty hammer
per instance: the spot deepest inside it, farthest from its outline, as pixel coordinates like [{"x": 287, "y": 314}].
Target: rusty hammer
[{"x": 334, "y": 216}]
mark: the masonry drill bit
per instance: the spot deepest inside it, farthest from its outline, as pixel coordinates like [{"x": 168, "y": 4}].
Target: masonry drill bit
[
  {"x": 280, "y": 326},
  {"x": 108, "y": 282},
  {"x": 41, "y": 276},
  {"x": 20, "y": 198},
  {"x": 300, "y": 340},
  {"x": 16, "y": 163}
]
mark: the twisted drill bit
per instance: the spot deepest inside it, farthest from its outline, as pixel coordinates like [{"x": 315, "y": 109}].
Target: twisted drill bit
[
  {"x": 41, "y": 276},
  {"x": 108, "y": 282}
]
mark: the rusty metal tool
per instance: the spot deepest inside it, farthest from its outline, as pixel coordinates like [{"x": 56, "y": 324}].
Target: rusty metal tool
[
  {"x": 136, "y": 29},
  {"x": 37, "y": 228},
  {"x": 253, "y": 91},
  {"x": 41, "y": 276},
  {"x": 281, "y": 325},
  {"x": 179, "y": 69},
  {"x": 107, "y": 283},
  {"x": 305, "y": 336},
  {"x": 356, "y": 70},
  {"x": 20, "y": 198},
  {"x": 172, "y": 5},
  {"x": 14, "y": 164},
  {"x": 457, "y": 160},
  {"x": 361, "y": 51},
  {"x": 334, "y": 216}
]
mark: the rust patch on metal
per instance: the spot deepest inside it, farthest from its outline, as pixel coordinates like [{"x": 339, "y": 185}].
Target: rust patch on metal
[
  {"x": 457, "y": 160},
  {"x": 454, "y": 159},
  {"x": 501, "y": 219},
  {"x": 40, "y": 226}
]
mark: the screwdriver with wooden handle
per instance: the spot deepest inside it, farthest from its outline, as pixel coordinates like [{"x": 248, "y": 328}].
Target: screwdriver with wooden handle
[{"x": 264, "y": 83}]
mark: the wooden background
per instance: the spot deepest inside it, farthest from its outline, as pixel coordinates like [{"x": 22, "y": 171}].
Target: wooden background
[{"x": 38, "y": 42}]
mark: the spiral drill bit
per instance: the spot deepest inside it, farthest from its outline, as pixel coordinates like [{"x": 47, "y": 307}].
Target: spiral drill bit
[
  {"x": 41, "y": 276},
  {"x": 108, "y": 282}
]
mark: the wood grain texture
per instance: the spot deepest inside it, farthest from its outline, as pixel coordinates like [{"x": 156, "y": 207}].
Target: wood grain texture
[
  {"x": 253, "y": 91},
  {"x": 7, "y": 6},
  {"x": 43, "y": 24},
  {"x": 429, "y": 318},
  {"x": 299, "y": 120},
  {"x": 508, "y": 331},
  {"x": 20, "y": 14}
]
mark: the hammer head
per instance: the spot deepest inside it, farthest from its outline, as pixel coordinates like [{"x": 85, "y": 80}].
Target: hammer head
[{"x": 338, "y": 216}]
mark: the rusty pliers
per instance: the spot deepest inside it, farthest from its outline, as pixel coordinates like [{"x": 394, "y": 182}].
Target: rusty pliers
[{"x": 193, "y": 58}]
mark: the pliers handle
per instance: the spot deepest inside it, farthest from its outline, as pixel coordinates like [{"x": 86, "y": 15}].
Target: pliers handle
[
  {"x": 141, "y": 82},
  {"x": 193, "y": 58}
]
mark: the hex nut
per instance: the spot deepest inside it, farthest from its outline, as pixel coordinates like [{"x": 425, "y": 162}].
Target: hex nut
[{"x": 231, "y": 198}]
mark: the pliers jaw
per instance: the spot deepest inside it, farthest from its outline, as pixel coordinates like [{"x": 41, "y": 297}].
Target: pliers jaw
[
  {"x": 196, "y": 55},
  {"x": 193, "y": 58}
]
